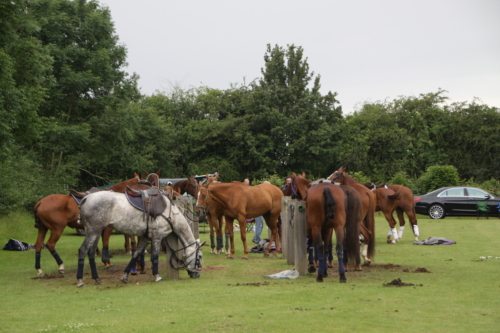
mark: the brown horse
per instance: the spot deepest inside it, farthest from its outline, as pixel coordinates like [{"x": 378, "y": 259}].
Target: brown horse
[
  {"x": 189, "y": 186},
  {"x": 241, "y": 202},
  {"x": 404, "y": 204},
  {"x": 387, "y": 202},
  {"x": 368, "y": 216},
  {"x": 333, "y": 208},
  {"x": 213, "y": 212},
  {"x": 299, "y": 188},
  {"x": 57, "y": 211}
]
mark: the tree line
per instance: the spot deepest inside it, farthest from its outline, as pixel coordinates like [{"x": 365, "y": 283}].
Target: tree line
[{"x": 73, "y": 118}]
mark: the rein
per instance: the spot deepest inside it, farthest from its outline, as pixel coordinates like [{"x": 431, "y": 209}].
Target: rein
[{"x": 183, "y": 263}]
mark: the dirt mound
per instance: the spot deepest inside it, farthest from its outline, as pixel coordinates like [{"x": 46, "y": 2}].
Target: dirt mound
[
  {"x": 421, "y": 270},
  {"x": 49, "y": 276},
  {"x": 397, "y": 283}
]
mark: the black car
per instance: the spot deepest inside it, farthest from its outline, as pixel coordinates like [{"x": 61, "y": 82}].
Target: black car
[{"x": 454, "y": 201}]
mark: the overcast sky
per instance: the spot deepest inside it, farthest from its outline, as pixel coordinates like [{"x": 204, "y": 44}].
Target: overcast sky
[{"x": 363, "y": 50}]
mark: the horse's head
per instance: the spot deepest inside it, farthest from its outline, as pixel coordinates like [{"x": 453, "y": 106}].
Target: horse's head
[
  {"x": 299, "y": 186},
  {"x": 193, "y": 261},
  {"x": 338, "y": 176},
  {"x": 191, "y": 186},
  {"x": 202, "y": 200}
]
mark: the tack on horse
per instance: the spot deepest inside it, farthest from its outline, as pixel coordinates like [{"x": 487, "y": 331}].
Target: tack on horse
[
  {"x": 103, "y": 209},
  {"x": 333, "y": 208},
  {"x": 368, "y": 216},
  {"x": 57, "y": 211},
  {"x": 241, "y": 202}
]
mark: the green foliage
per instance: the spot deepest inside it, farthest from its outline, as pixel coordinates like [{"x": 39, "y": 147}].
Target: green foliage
[
  {"x": 274, "y": 179},
  {"x": 360, "y": 177},
  {"x": 438, "y": 176},
  {"x": 401, "y": 178},
  {"x": 492, "y": 186}
]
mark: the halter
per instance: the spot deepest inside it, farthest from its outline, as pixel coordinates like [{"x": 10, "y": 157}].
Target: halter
[
  {"x": 204, "y": 209},
  {"x": 183, "y": 263},
  {"x": 292, "y": 184}
]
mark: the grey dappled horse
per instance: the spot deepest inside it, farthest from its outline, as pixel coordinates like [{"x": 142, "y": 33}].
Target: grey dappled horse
[{"x": 102, "y": 209}]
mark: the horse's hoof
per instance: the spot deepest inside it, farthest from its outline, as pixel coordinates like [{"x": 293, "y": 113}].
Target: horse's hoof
[
  {"x": 98, "y": 281},
  {"x": 311, "y": 269},
  {"x": 61, "y": 271},
  {"x": 343, "y": 280},
  {"x": 266, "y": 255},
  {"x": 230, "y": 258},
  {"x": 80, "y": 283},
  {"x": 319, "y": 279},
  {"x": 367, "y": 263},
  {"x": 159, "y": 280},
  {"x": 124, "y": 280},
  {"x": 245, "y": 258},
  {"x": 143, "y": 271},
  {"x": 389, "y": 241},
  {"x": 110, "y": 267},
  {"x": 393, "y": 242}
]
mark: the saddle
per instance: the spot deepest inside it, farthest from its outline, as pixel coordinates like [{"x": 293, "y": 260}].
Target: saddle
[
  {"x": 82, "y": 195},
  {"x": 153, "y": 202}
]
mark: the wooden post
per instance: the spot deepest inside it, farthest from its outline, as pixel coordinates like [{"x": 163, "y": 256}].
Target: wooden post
[
  {"x": 299, "y": 238},
  {"x": 284, "y": 226},
  {"x": 173, "y": 242}
]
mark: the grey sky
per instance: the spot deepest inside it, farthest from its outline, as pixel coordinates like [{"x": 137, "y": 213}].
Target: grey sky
[{"x": 363, "y": 50}]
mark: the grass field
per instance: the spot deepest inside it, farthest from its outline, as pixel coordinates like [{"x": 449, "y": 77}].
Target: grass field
[{"x": 459, "y": 293}]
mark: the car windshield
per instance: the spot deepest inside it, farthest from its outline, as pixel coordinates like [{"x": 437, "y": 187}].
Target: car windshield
[
  {"x": 474, "y": 192},
  {"x": 453, "y": 192}
]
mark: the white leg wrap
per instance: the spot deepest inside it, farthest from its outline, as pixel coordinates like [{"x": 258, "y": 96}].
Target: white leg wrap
[
  {"x": 395, "y": 234},
  {"x": 415, "y": 230},
  {"x": 389, "y": 234},
  {"x": 401, "y": 230},
  {"x": 39, "y": 272},
  {"x": 365, "y": 250}
]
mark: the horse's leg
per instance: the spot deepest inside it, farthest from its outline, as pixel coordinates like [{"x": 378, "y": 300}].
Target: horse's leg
[
  {"x": 141, "y": 264},
  {"x": 127, "y": 244},
  {"x": 106, "y": 234},
  {"x": 143, "y": 242},
  {"x": 311, "y": 254},
  {"x": 392, "y": 225},
  {"x": 402, "y": 222},
  {"x": 226, "y": 232},
  {"x": 155, "y": 251},
  {"x": 55, "y": 234},
  {"x": 322, "y": 266},
  {"x": 367, "y": 238},
  {"x": 218, "y": 233},
  {"x": 42, "y": 231},
  {"x": 330, "y": 248},
  {"x": 84, "y": 249},
  {"x": 410, "y": 211},
  {"x": 339, "y": 232},
  {"x": 230, "y": 228},
  {"x": 243, "y": 236},
  {"x": 212, "y": 233}
]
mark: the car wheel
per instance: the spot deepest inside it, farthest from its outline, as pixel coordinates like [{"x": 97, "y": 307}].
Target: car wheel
[
  {"x": 80, "y": 232},
  {"x": 436, "y": 212}
]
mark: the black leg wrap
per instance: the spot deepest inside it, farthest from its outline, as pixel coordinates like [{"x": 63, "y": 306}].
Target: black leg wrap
[
  {"x": 311, "y": 253},
  {"x": 155, "y": 265},
  {"x": 79, "y": 272},
  {"x": 56, "y": 257},
  {"x": 93, "y": 268},
  {"x": 141, "y": 260},
  {"x": 219, "y": 242},
  {"x": 212, "y": 242},
  {"x": 38, "y": 255},
  {"x": 340, "y": 257},
  {"x": 105, "y": 255}
]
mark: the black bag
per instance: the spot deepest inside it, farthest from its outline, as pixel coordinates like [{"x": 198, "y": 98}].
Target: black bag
[{"x": 15, "y": 245}]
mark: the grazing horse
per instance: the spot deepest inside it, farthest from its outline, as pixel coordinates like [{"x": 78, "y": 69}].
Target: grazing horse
[
  {"x": 404, "y": 204},
  {"x": 109, "y": 209},
  {"x": 333, "y": 208},
  {"x": 368, "y": 216},
  {"x": 57, "y": 211},
  {"x": 241, "y": 202},
  {"x": 213, "y": 213}
]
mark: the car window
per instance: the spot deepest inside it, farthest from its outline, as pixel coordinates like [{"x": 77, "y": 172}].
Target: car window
[
  {"x": 453, "y": 192},
  {"x": 473, "y": 192}
]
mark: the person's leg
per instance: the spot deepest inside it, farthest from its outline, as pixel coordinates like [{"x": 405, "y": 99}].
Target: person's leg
[{"x": 259, "y": 225}]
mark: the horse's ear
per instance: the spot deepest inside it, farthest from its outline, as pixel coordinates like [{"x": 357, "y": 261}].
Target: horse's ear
[
  {"x": 217, "y": 175},
  {"x": 294, "y": 175},
  {"x": 147, "y": 174},
  {"x": 342, "y": 169},
  {"x": 158, "y": 172},
  {"x": 303, "y": 174}
]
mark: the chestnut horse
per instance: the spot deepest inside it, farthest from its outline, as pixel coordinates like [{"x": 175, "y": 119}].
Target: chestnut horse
[
  {"x": 189, "y": 186},
  {"x": 387, "y": 202},
  {"x": 241, "y": 202},
  {"x": 300, "y": 187},
  {"x": 368, "y": 216},
  {"x": 404, "y": 204},
  {"x": 333, "y": 208},
  {"x": 57, "y": 211}
]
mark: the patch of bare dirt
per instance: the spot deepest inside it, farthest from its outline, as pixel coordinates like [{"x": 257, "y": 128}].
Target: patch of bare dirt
[
  {"x": 398, "y": 283},
  {"x": 49, "y": 276},
  {"x": 421, "y": 270},
  {"x": 255, "y": 284}
]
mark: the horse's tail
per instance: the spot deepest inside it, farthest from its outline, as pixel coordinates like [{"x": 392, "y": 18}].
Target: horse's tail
[
  {"x": 330, "y": 204},
  {"x": 35, "y": 214},
  {"x": 370, "y": 225},
  {"x": 397, "y": 195},
  {"x": 354, "y": 211}
]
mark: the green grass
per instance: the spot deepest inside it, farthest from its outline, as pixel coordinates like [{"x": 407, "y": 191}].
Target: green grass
[{"x": 461, "y": 294}]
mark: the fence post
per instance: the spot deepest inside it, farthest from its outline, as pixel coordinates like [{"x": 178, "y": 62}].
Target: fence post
[
  {"x": 299, "y": 238},
  {"x": 172, "y": 243}
]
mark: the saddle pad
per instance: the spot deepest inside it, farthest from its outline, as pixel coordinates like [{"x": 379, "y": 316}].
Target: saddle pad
[{"x": 135, "y": 201}]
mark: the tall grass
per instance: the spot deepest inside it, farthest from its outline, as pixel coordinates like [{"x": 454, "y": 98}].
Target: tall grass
[{"x": 460, "y": 294}]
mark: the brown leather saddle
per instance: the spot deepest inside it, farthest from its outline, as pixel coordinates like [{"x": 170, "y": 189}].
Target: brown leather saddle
[{"x": 152, "y": 201}]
